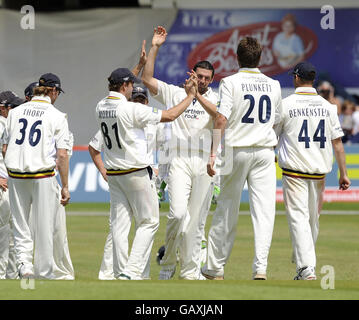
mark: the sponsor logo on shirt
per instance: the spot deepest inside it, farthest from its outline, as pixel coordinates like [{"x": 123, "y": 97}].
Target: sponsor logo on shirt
[{"x": 193, "y": 114}]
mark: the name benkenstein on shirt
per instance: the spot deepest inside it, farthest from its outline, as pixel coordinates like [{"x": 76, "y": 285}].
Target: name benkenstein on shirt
[{"x": 308, "y": 112}]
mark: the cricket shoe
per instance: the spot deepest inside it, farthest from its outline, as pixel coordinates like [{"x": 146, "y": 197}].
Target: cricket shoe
[
  {"x": 167, "y": 272},
  {"x": 211, "y": 274},
  {"x": 25, "y": 272},
  {"x": 259, "y": 276},
  {"x": 160, "y": 253},
  {"x": 306, "y": 273},
  {"x": 124, "y": 276}
]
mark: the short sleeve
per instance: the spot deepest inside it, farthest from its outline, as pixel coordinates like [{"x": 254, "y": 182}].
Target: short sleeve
[
  {"x": 225, "y": 105},
  {"x": 62, "y": 138},
  {"x": 166, "y": 93},
  {"x": 97, "y": 141},
  {"x": 278, "y": 106},
  {"x": 335, "y": 127},
  {"x": 144, "y": 115}
]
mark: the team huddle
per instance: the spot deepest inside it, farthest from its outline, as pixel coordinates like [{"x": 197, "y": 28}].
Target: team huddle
[{"x": 203, "y": 139}]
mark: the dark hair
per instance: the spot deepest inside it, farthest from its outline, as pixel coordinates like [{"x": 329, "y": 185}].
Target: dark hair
[
  {"x": 204, "y": 65},
  {"x": 249, "y": 52},
  {"x": 309, "y": 78},
  {"x": 114, "y": 86}
]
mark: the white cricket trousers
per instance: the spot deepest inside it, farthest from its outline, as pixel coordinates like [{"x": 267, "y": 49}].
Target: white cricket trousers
[
  {"x": 257, "y": 167},
  {"x": 42, "y": 196},
  {"x": 188, "y": 185},
  {"x": 302, "y": 198},
  {"x": 132, "y": 195},
  {"x": 8, "y": 269},
  {"x": 63, "y": 268}
]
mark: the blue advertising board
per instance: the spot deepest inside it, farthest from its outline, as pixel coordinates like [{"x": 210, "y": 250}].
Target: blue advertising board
[{"x": 87, "y": 185}]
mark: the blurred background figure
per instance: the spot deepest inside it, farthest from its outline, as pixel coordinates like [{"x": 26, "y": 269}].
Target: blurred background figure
[
  {"x": 346, "y": 119},
  {"x": 287, "y": 45},
  {"x": 326, "y": 90}
]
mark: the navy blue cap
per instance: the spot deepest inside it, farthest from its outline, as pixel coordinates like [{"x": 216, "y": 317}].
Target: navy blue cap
[
  {"x": 304, "y": 70},
  {"x": 6, "y": 96},
  {"x": 50, "y": 80},
  {"x": 122, "y": 75},
  {"x": 29, "y": 91},
  {"x": 15, "y": 102},
  {"x": 139, "y": 90}
]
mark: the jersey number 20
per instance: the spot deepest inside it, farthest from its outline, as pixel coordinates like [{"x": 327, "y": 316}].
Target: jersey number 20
[
  {"x": 263, "y": 99},
  {"x": 35, "y": 132}
]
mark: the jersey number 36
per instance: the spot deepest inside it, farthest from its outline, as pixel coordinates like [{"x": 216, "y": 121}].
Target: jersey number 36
[{"x": 34, "y": 135}]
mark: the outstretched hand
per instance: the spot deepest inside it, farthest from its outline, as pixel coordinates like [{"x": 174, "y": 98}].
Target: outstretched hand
[
  {"x": 159, "y": 36},
  {"x": 143, "y": 56},
  {"x": 191, "y": 86}
]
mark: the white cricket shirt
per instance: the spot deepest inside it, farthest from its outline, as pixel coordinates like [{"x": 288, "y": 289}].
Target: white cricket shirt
[
  {"x": 193, "y": 128},
  {"x": 251, "y": 102},
  {"x": 308, "y": 125},
  {"x": 3, "y": 171},
  {"x": 33, "y": 130},
  {"x": 122, "y": 126}
]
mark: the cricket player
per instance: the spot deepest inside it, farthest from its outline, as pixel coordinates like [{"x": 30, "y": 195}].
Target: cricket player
[
  {"x": 249, "y": 106},
  {"x": 308, "y": 132},
  {"x": 128, "y": 169},
  {"x": 189, "y": 150},
  {"x": 8, "y": 269},
  {"x": 153, "y": 134},
  {"x": 32, "y": 131},
  {"x": 63, "y": 268}
]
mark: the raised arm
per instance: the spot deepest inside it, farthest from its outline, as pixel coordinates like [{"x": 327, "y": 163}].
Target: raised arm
[
  {"x": 159, "y": 37},
  {"x": 344, "y": 181},
  {"x": 207, "y": 105},
  {"x": 142, "y": 61},
  {"x": 173, "y": 113}
]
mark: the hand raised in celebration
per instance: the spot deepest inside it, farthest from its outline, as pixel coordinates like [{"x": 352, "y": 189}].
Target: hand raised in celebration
[{"x": 159, "y": 36}]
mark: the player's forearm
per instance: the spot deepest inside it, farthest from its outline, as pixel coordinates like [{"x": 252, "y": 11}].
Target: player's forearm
[
  {"x": 207, "y": 105},
  {"x": 220, "y": 123},
  {"x": 148, "y": 70},
  {"x": 137, "y": 69},
  {"x": 340, "y": 156},
  {"x": 97, "y": 160},
  {"x": 4, "y": 148},
  {"x": 63, "y": 167},
  {"x": 173, "y": 113}
]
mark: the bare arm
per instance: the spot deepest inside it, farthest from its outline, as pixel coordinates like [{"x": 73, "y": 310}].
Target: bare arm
[
  {"x": 210, "y": 108},
  {"x": 63, "y": 167},
  {"x": 143, "y": 58},
  {"x": 159, "y": 37},
  {"x": 344, "y": 181},
  {"x": 97, "y": 160},
  {"x": 4, "y": 148},
  {"x": 173, "y": 113},
  {"x": 220, "y": 123}
]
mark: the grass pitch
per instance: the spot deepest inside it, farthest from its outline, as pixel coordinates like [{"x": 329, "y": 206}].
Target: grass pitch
[{"x": 338, "y": 246}]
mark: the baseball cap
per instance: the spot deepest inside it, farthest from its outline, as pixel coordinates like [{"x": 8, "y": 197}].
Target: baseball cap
[
  {"x": 304, "y": 70},
  {"x": 29, "y": 91},
  {"x": 15, "y": 102},
  {"x": 50, "y": 80},
  {"x": 6, "y": 96},
  {"x": 139, "y": 90},
  {"x": 121, "y": 75}
]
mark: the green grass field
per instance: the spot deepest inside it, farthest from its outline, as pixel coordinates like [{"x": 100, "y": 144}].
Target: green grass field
[{"x": 338, "y": 246}]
